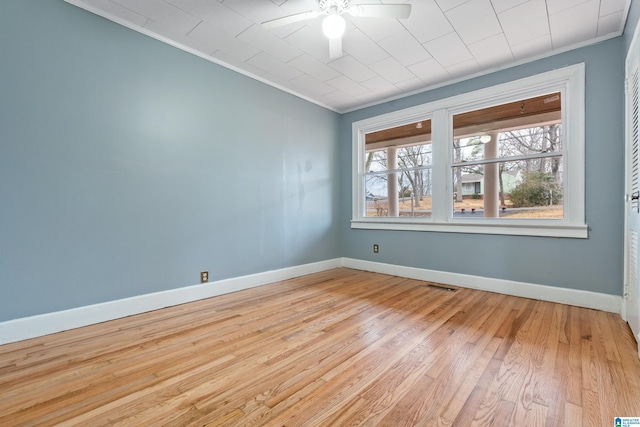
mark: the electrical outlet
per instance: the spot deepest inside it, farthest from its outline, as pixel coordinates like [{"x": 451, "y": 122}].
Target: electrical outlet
[
  {"x": 375, "y": 249},
  {"x": 204, "y": 276}
]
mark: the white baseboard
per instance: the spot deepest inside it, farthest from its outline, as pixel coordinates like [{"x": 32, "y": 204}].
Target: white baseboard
[
  {"x": 49, "y": 323},
  {"x": 587, "y": 299}
]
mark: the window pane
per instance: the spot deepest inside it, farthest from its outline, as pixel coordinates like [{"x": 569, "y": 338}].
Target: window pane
[
  {"x": 541, "y": 139},
  {"x": 409, "y": 203},
  {"x": 376, "y": 161},
  {"x": 376, "y": 199},
  {"x": 511, "y": 190},
  {"x": 530, "y": 126}
]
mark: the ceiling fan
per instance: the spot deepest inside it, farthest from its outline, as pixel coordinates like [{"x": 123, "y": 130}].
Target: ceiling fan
[{"x": 333, "y": 24}]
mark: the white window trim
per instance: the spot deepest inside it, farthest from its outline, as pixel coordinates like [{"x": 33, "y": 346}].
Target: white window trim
[{"x": 570, "y": 81}]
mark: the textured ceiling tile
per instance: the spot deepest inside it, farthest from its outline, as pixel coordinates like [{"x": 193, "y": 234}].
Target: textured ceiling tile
[
  {"x": 532, "y": 48},
  {"x": 348, "y": 86},
  {"x": 276, "y": 79},
  {"x": 118, "y": 11},
  {"x": 575, "y": 24},
  {"x": 411, "y": 85},
  {"x": 377, "y": 28},
  {"x": 268, "y": 43},
  {"x": 235, "y": 62},
  {"x": 557, "y": 6},
  {"x": 310, "y": 86},
  {"x": 210, "y": 34},
  {"x": 163, "y": 13},
  {"x": 171, "y": 34},
  {"x": 464, "y": 68},
  {"x": 361, "y": 47},
  {"x": 392, "y": 70},
  {"x": 257, "y": 11},
  {"x": 309, "y": 65},
  {"x": 429, "y": 71},
  {"x": 339, "y": 99},
  {"x": 228, "y": 20},
  {"x": 309, "y": 41},
  {"x": 474, "y": 20},
  {"x": 448, "y": 50},
  {"x": 502, "y": 5},
  {"x": 273, "y": 66},
  {"x": 525, "y": 22},
  {"x": 608, "y": 7},
  {"x": 290, "y": 7},
  {"x": 427, "y": 22},
  {"x": 405, "y": 48},
  {"x": 373, "y": 97},
  {"x": 610, "y": 24},
  {"x": 450, "y": 4},
  {"x": 143, "y": 7},
  {"x": 351, "y": 68},
  {"x": 492, "y": 51},
  {"x": 380, "y": 85}
]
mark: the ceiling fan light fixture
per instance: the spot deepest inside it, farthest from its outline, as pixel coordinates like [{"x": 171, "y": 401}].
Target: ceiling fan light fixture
[
  {"x": 333, "y": 26},
  {"x": 485, "y": 139}
]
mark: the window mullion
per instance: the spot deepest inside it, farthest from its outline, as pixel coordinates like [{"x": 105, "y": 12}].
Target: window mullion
[
  {"x": 510, "y": 159},
  {"x": 441, "y": 125},
  {"x": 398, "y": 170},
  {"x": 357, "y": 190}
]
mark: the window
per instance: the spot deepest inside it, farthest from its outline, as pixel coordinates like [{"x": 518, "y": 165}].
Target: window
[{"x": 508, "y": 159}]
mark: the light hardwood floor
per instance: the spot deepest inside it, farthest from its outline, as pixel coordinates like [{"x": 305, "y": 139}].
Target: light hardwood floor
[{"x": 337, "y": 348}]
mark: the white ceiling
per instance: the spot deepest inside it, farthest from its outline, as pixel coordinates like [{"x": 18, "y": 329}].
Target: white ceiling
[{"x": 441, "y": 42}]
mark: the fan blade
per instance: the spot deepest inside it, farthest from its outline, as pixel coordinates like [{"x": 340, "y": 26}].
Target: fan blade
[
  {"x": 286, "y": 20},
  {"x": 335, "y": 48},
  {"x": 381, "y": 10}
]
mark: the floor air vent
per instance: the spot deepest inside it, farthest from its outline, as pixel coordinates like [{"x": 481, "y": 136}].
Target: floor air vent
[{"x": 442, "y": 287}]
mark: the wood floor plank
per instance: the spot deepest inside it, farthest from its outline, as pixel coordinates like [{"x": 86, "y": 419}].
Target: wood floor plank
[
  {"x": 336, "y": 348},
  {"x": 571, "y": 377},
  {"x": 468, "y": 411},
  {"x": 572, "y": 415}
]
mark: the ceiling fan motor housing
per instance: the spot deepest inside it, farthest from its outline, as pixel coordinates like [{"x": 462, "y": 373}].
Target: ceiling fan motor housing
[
  {"x": 334, "y": 6},
  {"x": 333, "y": 25}
]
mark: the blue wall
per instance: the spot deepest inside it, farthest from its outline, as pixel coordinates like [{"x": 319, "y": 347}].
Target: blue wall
[
  {"x": 127, "y": 166},
  {"x": 594, "y": 264}
]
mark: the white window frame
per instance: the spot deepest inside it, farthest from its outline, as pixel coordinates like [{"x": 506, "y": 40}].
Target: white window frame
[{"x": 569, "y": 81}]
